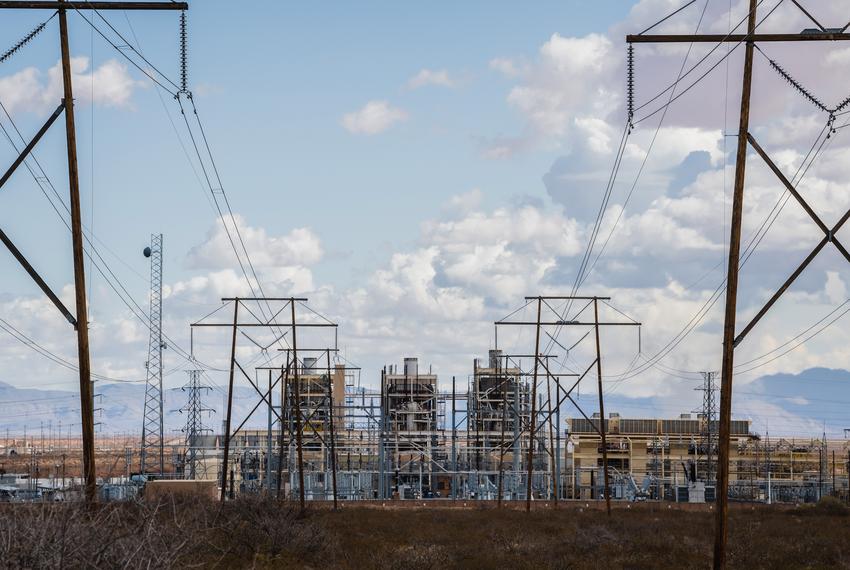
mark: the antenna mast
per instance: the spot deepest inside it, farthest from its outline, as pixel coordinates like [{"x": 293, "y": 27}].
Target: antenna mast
[{"x": 152, "y": 455}]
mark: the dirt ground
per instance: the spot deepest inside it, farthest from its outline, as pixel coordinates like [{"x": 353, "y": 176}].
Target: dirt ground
[{"x": 256, "y": 533}]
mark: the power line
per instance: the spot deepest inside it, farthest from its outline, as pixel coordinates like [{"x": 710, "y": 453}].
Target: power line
[
  {"x": 128, "y": 58},
  {"x": 753, "y": 244},
  {"x": 648, "y": 152}
]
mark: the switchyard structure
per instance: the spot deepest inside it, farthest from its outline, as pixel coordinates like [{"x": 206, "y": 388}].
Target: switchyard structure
[
  {"x": 708, "y": 424},
  {"x": 195, "y": 428},
  {"x": 328, "y": 437},
  {"x": 648, "y": 458}
]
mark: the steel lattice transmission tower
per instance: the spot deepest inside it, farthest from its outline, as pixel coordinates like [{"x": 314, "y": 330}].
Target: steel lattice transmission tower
[
  {"x": 152, "y": 454},
  {"x": 708, "y": 434},
  {"x": 195, "y": 428}
]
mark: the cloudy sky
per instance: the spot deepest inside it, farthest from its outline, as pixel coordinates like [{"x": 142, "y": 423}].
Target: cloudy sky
[{"x": 416, "y": 171}]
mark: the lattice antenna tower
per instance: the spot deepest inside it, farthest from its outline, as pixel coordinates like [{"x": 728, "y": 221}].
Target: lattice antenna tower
[
  {"x": 195, "y": 427},
  {"x": 708, "y": 432},
  {"x": 152, "y": 459}
]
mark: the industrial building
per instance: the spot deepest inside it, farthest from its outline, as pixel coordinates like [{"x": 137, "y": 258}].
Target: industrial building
[{"x": 411, "y": 440}]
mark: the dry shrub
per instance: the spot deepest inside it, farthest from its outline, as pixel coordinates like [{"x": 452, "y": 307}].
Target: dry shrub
[
  {"x": 261, "y": 532},
  {"x": 832, "y": 506},
  {"x": 414, "y": 557},
  {"x": 172, "y": 532}
]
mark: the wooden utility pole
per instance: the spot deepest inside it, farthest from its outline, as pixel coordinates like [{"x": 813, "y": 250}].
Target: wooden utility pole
[
  {"x": 533, "y": 406},
  {"x": 602, "y": 429},
  {"x": 331, "y": 413},
  {"x": 553, "y": 465},
  {"x": 80, "y": 322},
  {"x": 229, "y": 412},
  {"x": 299, "y": 435},
  {"x": 721, "y": 532},
  {"x": 730, "y": 340},
  {"x": 283, "y": 421}
]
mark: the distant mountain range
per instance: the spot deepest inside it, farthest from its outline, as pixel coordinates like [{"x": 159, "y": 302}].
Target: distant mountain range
[
  {"x": 118, "y": 408},
  {"x": 804, "y": 404},
  {"x": 807, "y": 404}
]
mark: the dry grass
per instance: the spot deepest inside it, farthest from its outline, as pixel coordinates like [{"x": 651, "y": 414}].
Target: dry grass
[
  {"x": 266, "y": 534},
  {"x": 170, "y": 533}
]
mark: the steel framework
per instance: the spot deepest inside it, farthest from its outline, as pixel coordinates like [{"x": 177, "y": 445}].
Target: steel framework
[
  {"x": 195, "y": 428},
  {"x": 708, "y": 437},
  {"x": 152, "y": 457}
]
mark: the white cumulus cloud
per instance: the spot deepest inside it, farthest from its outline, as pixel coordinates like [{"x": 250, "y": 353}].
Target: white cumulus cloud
[
  {"x": 375, "y": 117},
  {"x": 31, "y": 89},
  {"x": 425, "y": 77}
]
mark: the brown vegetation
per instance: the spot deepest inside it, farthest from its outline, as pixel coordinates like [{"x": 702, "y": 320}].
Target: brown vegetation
[{"x": 266, "y": 534}]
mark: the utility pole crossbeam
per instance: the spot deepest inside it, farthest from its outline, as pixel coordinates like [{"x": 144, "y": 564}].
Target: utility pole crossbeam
[
  {"x": 533, "y": 406},
  {"x": 737, "y": 38},
  {"x": 81, "y": 303},
  {"x": 730, "y": 340},
  {"x": 70, "y": 5}
]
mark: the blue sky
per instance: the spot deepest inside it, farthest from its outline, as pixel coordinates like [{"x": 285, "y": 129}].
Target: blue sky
[
  {"x": 273, "y": 84},
  {"x": 417, "y": 211}
]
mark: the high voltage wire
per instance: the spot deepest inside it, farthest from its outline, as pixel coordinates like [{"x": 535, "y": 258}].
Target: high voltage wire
[
  {"x": 584, "y": 270},
  {"x": 748, "y": 251},
  {"x": 87, "y": 235},
  {"x": 648, "y": 152},
  {"x": 700, "y": 62},
  {"x": 32, "y": 344},
  {"x": 128, "y": 58},
  {"x": 756, "y": 239},
  {"x": 202, "y": 163},
  {"x": 117, "y": 284}
]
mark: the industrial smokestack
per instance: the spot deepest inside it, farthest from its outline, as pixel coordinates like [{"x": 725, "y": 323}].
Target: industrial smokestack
[
  {"x": 495, "y": 357},
  {"x": 411, "y": 366}
]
